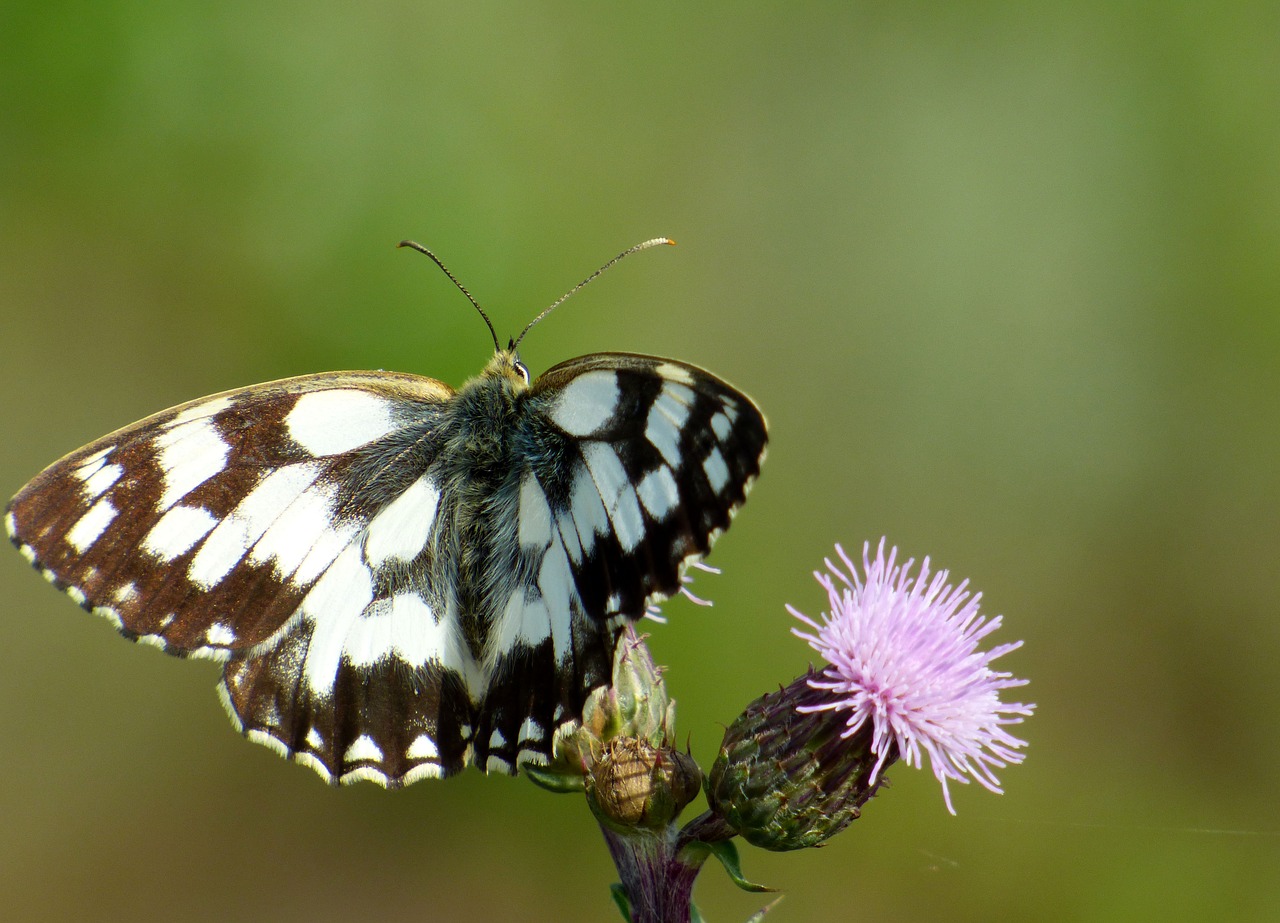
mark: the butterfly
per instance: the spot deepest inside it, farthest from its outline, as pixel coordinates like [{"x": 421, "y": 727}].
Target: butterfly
[{"x": 399, "y": 578}]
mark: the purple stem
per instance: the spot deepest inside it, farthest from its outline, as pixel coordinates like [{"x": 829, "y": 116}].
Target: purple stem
[{"x": 657, "y": 879}]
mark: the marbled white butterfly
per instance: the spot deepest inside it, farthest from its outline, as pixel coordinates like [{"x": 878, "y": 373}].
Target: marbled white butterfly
[{"x": 402, "y": 579}]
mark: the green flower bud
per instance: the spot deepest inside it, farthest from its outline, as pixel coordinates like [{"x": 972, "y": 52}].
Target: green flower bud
[
  {"x": 635, "y": 705},
  {"x": 787, "y": 780}
]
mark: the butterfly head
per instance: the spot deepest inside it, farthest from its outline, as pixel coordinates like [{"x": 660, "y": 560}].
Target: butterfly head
[{"x": 506, "y": 365}]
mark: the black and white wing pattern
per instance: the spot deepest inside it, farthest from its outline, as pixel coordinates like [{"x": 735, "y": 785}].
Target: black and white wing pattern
[{"x": 401, "y": 579}]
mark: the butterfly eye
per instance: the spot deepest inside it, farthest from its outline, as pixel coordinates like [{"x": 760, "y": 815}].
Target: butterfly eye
[{"x": 523, "y": 370}]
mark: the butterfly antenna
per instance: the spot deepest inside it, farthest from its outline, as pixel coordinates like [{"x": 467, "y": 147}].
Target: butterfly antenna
[
  {"x": 657, "y": 241},
  {"x": 462, "y": 288}
]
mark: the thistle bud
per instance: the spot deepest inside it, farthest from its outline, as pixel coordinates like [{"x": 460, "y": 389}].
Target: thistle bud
[
  {"x": 634, "y": 705},
  {"x": 635, "y": 784},
  {"x": 786, "y": 779}
]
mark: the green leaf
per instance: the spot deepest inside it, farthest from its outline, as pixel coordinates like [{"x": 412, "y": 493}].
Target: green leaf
[
  {"x": 620, "y": 898},
  {"x": 727, "y": 853},
  {"x": 559, "y": 782}
]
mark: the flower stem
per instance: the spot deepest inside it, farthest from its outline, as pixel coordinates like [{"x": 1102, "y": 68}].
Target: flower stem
[{"x": 656, "y": 875}]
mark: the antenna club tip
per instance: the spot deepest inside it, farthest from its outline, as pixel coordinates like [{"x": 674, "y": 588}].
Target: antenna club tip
[
  {"x": 654, "y": 242},
  {"x": 406, "y": 243}
]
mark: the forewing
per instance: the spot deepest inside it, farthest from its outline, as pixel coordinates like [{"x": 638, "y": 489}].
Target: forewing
[
  {"x": 651, "y": 459},
  {"x": 237, "y": 527}
]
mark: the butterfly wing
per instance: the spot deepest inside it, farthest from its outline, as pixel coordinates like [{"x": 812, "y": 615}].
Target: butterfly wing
[
  {"x": 664, "y": 454},
  {"x": 237, "y": 528},
  {"x": 633, "y": 466}
]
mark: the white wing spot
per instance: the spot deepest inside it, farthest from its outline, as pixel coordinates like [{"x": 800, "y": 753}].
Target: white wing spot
[
  {"x": 404, "y": 627},
  {"x": 86, "y": 468},
  {"x": 326, "y": 545},
  {"x": 673, "y": 372},
  {"x": 524, "y": 621},
  {"x": 125, "y": 593},
  {"x": 666, "y": 420},
  {"x": 189, "y": 454},
  {"x": 717, "y": 471},
  {"x": 721, "y": 426},
  {"x": 616, "y": 492},
  {"x": 569, "y": 535},
  {"x": 680, "y": 394},
  {"x": 362, "y": 748},
  {"x": 531, "y": 731},
  {"x": 315, "y": 740},
  {"x": 364, "y": 774},
  {"x": 201, "y": 411},
  {"x": 295, "y": 532},
  {"x": 339, "y": 420},
  {"x": 496, "y": 739},
  {"x": 659, "y": 493},
  {"x": 89, "y": 528},
  {"x": 178, "y": 531},
  {"x": 531, "y": 758},
  {"x": 556, "y": 583},
  {"x": 401, "y": 529},
  {"x": 98, "y": 482},
  {"x": 271, "y": 742},
  {"x": 111, "y": 615},
  {"x": 422, "y": 771},
  {"x": 332, "y": 607},
  {"x": 220, "y": 634},
  {"x": 11, "y": 524},
  {"x": 423, "y": 748},
  {"x": 302, "y": 758},
  {"x": 263, "y": 507},
  {"x": 587, "y": 403},
  {"x": 589, "y": 516}
]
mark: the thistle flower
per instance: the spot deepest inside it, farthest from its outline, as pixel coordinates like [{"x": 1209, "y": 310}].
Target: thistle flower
[{"x": 903, "y": 658}]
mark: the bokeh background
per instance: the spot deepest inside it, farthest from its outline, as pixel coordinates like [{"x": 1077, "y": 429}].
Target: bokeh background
[{"x": 1005, "y": 279}]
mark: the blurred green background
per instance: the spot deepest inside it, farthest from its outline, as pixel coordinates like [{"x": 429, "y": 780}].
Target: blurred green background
[{"x": 1004, "y": 278}]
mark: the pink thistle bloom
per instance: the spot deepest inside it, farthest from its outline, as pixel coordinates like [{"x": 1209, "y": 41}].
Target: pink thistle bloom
[{"x": 902, "y": 654}]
